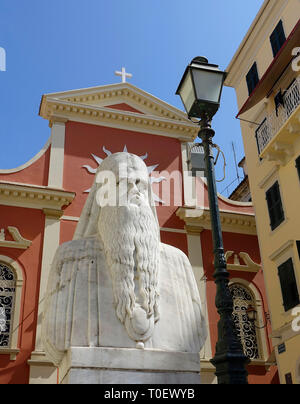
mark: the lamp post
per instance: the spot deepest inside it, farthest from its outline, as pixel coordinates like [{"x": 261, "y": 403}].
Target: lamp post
[{"x": 200, "y": 91}]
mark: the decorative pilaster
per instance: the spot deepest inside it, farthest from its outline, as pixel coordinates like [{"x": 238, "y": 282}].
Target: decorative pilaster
[
  {"x": 196, "y": 260},
  {"x": 56, "y": 167},
  {"x": 51, "y": 243}
]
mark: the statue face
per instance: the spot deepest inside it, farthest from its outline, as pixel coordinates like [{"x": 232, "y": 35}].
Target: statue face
[
  {"x": 125, "y": 182},
  {"x": 132, "y": 181}
]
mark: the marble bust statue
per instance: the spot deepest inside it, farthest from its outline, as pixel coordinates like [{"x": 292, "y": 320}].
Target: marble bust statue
[{"x": 115, "y": 284}]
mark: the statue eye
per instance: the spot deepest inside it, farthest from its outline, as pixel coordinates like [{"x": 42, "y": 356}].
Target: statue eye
[{"x": 137, "y": 181}]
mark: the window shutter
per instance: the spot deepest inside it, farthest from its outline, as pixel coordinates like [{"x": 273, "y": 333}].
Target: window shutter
[
  {"x": 298, "y": 166},
  {"x": 275, "y": 206},
  {"x": 298, "y": 247},
  {"x": 252, "y": 78},
  {"x": 277, "y": 38},
  {"x": 288, "y": 285}
]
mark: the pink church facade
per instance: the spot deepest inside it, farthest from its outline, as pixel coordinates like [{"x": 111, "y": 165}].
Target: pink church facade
[{"x": 41, "y": 202}]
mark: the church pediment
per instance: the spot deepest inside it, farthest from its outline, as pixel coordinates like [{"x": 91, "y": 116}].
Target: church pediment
[
  {"x": 118, "y": 104},
  {"x": 123, "y": 95},
  {"x": 124, "y": 107}
]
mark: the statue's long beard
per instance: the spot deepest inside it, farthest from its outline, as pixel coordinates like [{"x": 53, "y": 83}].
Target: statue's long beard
[{"x": 131, "y": 240}]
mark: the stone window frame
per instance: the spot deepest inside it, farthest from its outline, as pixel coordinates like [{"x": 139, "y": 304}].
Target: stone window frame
[{"x": 13, "y": 349}]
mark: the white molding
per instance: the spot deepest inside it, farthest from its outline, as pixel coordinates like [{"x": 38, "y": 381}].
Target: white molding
[
  {"x": 172, "y": 230},
  {"x": 34, "y": 197},
  {"x": 117, "y": 93},
  {"x": 286, "y": 247},
  {"x": 231, "y": 222},
  {"x": 19, "y": 241},
  {"x": 70, "y": 218},
  {"x": 158, "y": 118},
  {"x": 103, "y": 116},
  {"x": 249, "y": 266},
  {"x": 57, "y": 154},
  {"x": 50, "y": 245},
  {"x": 196, "y": 260}
]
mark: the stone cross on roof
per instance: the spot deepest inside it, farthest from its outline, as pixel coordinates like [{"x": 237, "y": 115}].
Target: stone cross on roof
[{"x": 123, "y": 74}]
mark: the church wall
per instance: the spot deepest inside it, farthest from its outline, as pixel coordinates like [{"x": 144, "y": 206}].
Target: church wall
[
  {"x": 67, "y": 230},
  {"x": 82, "y": 140},
  {"x": 258, "y": 374},
  {"x": 30, "y": 223},
  {"x": 35, "y": 172},
  {"x": 177, "y": 240}
]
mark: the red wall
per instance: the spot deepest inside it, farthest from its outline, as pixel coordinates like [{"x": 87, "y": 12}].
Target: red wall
[
  {"x": 237, "y": 243},
  {"x": 82, "y": 140},
  {"x": 35, "y": 174},
  {"x": 30, "y": 222}
]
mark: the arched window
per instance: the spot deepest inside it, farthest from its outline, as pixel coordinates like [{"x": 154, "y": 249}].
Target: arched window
[
  {"x": 7, "y": 303},
  {"x": 246, "y": 329}
]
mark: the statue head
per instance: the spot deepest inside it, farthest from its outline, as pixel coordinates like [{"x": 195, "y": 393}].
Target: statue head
[
  {"x": 122, "y": 179},
  {"x": 120, "y": 211}
]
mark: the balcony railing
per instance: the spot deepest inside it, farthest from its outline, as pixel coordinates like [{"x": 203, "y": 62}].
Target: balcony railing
[{"x": 273, "y": 123}]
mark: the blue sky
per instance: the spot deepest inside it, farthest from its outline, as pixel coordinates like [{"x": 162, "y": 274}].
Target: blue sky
[{"x": 61, "y": 45}]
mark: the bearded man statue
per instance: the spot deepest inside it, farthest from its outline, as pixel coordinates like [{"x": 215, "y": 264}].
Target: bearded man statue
[{"x": 117, "y": 291}]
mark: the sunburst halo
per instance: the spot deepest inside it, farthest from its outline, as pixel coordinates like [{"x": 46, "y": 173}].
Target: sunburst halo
[{"x": 99, "y": 160}]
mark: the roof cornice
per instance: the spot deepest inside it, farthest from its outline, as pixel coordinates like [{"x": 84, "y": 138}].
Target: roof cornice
[
  {"x": 199, "y": 219},
  {"x": 34, "y": 197},
  {"x": 90, "y": 106}
]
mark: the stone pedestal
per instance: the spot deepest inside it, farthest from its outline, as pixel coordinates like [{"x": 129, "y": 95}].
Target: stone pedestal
[{"x": 128, "y": 366}]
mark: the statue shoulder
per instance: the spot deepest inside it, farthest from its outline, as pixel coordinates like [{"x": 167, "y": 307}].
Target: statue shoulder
[
  {"x": 78, "y": 249},
  {"x": 168, "y": 252}
]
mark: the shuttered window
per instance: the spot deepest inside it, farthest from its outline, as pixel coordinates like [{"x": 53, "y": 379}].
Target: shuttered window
[
  {"x": 277, "y": 38},
  {"x": 298, "y": 247},
  {"x": 252, "y": 78},
  {"x": 298, "y": 165},
  {"x": 288, "y": 285},
  {"x": 275, "y": 206}
]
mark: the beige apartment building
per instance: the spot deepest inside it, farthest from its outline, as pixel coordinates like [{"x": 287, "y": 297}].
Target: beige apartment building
[{"x": 265, "y": 72}]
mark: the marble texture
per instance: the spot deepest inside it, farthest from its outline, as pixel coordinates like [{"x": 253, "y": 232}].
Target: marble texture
[
  {"x": 129, "y": 366},
  {"x": 117, "y": 288}
]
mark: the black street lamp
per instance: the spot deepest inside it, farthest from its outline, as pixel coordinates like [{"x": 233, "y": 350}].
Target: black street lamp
[{"x": 200, "y": 90}]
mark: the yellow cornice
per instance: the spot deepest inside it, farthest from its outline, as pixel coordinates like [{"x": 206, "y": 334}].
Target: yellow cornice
[
  {"x": 231, "y": 222},
  {"x": 34, "y": 197}
]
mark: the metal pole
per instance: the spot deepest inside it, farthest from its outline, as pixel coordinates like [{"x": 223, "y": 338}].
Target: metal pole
[{"x": 229, "y": 360}]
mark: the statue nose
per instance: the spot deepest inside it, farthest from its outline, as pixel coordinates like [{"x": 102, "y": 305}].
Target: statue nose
[{"x": 132, "y": 186}]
